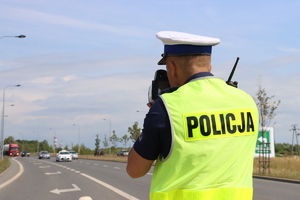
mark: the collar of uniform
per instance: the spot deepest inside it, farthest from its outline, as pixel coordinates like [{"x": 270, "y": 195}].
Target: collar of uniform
[{"x": 198, "y": 75}]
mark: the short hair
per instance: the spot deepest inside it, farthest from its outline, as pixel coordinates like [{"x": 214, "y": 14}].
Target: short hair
[{"x": 190, "y": 63}]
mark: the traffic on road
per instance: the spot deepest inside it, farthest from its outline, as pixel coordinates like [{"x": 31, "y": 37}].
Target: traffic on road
[{"x": 47, "y": 179}]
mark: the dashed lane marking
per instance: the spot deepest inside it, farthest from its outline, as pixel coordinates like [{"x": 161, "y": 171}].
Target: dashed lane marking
[
  {"x": 110, "y": 187},
  {"x": 44, "y": 166}
]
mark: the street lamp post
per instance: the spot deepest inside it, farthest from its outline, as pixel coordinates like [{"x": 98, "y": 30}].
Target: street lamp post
[
  {"x": 2, "y": 121},
  {"x": 109, "y": 133},
  {"x": 78, "y": 138},
  {"x": 19, "y": 36}
]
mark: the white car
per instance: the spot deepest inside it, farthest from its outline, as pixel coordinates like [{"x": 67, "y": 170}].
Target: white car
[
  {"x": 63, "y": 156},
  {"x": 123, "y": 153},
  {"x": 74, "y": 155}
]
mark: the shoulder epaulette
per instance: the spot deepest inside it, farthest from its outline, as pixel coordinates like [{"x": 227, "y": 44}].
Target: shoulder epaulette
[{"x": 168, "y": 90}]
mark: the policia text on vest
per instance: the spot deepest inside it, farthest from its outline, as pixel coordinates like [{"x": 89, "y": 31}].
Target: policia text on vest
[{"x": 217, "y": 124}]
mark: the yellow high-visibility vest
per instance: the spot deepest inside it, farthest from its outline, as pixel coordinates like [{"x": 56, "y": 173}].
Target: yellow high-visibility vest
[{"x": 214, "y": 131}]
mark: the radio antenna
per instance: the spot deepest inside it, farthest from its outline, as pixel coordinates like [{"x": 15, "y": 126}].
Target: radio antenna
[{"x": 229, "y": 82}]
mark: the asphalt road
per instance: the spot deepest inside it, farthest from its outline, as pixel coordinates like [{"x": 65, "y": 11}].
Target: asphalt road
[
  {"x": 276, "y": 190},
  {"x": 47, "y": 179}
]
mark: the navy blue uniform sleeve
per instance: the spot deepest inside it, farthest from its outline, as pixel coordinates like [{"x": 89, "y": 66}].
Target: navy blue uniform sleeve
[{"x": 155, "y": 138}]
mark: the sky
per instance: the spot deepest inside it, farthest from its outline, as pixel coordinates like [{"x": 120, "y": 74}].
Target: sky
[{"x": 85, "y": 66}]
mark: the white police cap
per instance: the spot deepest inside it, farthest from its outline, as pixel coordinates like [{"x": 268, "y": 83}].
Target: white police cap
[{"x": 180, "y": 44}]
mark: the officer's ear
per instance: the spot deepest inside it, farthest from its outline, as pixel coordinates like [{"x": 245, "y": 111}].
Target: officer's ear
[
  {"x": 210, "y": 68},
  {"x": 172, "y": 68},
  {"x": 172, "y": 72}
]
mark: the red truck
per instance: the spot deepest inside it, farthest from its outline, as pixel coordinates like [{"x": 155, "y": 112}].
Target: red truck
[{"x": 11, "y": 150}]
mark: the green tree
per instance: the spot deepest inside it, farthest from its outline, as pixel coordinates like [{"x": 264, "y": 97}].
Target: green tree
[
  {"x": 44, "y": 146},
  {"x": 10, "y": 140},
  {"x": 84, "y": 150},
  {"x": 75, "y": 148},
  {"x": 124, "y": 140},
  {"x": 134, "y": 131},
  {"x": 97, "y": 143},
  {"x": 266, "y": 106},
  {"x": 105, "y": 142},
  {"x": 279, "y": 148},
  {"x": 286, "y": 147},
  {"x": 114, "y": 139},
  {"x": 57, "y": 149}
]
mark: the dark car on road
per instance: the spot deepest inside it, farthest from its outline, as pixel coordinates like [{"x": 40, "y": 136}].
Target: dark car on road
[
  {"x": 44, "y": 154},
  {"x": 25, "y": 154}
]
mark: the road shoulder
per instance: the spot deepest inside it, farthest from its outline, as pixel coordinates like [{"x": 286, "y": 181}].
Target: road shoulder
[
  {"x": 11, "y": 173},
  {"x": 277, "y": 179}
]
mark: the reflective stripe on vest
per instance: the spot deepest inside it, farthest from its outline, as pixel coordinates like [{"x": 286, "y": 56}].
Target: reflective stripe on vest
[{"x": 212, "y": 194}]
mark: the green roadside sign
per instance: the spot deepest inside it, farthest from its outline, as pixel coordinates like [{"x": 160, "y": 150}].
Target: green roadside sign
[{"x": 265, "y": 142}]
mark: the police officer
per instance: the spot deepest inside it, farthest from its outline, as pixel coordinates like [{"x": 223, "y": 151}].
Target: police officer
[{"x": 202, "y": 135}]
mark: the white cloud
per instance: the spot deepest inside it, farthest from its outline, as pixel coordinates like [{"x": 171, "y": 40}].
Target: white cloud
[
  {"x": 43, "y": 80},
  {"x": 82, "y": 67},
  {"x": 69, "y": 78},
  {"x": 63, "y": 20}
]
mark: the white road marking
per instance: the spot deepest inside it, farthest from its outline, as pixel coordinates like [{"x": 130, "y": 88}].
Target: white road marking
[
  {"x": 44, "y": 166},
  {"x": 110, "y": 187},
  {"x": 85, "y": 198},
  {"x": 52, "y": 173},
  {"x": 57, "y": 191},
  {"x": 150, "y": 174},
  {"x": 116, "y": 190}
]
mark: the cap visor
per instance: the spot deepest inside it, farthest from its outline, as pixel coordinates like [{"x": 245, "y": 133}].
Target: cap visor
[{"x": 162, "y": 61}]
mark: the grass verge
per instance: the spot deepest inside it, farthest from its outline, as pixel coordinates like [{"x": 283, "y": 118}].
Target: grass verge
[
  {"x": 4, "y": 164},
  {"x": 280, "y": 167},
  {"x": 105, "y": 157}
]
